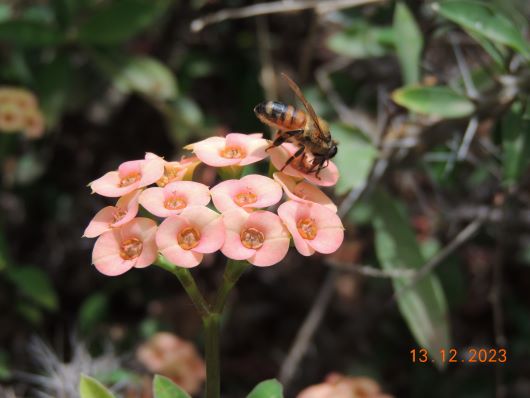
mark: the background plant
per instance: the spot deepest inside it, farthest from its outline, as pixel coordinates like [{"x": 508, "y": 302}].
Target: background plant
[{"x": 461, "y": 202}]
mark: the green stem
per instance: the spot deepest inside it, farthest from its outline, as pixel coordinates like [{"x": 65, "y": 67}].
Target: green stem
[
  {"x": 212, "y": 331},
  {"x": 233, "y": 271},
  {"x": 188, "y": 283}
]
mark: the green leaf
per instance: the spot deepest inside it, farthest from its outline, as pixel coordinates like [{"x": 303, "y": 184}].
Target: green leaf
[
  {"x": 29, "y": 312},
  {"x": 92, "y": 311},
  {"x": 5, "y": 12},
  {"x": 147, "y": 76},
  {"x": 118, "y": 21},
  {"x": 267, "y": 389},
  {"x": 408, "y": 42},
  {"x": 91, "y": 388},
  {"x": 165, "y": 388},
  {"x": 515, "y": 143},
  {"x": 29, "y": 34},
  {"x": 355, "y": 155},
  {"x": 438, "y": 101},
  {"x": 361, "y": 40},
  {"x": 424, "y": 305},
  {"x": 486, "y": 20},
  {"x": 34, "y": 284}
]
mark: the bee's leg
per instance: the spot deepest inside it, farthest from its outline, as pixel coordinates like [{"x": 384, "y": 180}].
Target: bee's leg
[
  {"x": 281, "y": 137},
  {"x": 299, "y": 152}
]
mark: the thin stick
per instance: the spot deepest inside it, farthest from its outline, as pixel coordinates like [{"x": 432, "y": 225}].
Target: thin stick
[
  {"x": 305, "y": 333},
  {"x": 275, "y": 7},
  {"x": 373, "y": 272},
  {"x": 468, "y": 138},
  {"x": 471, "y": 89},
  {"x": 435, "y": 261}
]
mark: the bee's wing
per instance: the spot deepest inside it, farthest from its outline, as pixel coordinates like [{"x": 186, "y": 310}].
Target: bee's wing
[{"x": 307, "y": 105}]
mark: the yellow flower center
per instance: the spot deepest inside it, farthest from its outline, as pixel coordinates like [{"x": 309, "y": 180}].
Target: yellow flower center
[
  {"x": 118, "y": 215},
  {"x": 307, "y": 228},
  {"x": 233, "y": 152},
  {"x": 171, "y": 173},
  {"x": 252, "y": 238},
  {"x": 245, "y": 198},
  {"x": 131, "y": 248},
  {"x": 175, "y": 203},
  {"x": 188, "y": 238},
  {"x": 129, "y": 179}
]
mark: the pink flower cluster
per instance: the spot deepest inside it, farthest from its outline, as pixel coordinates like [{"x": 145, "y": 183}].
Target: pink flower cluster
[{"x": 241, "y": 228}]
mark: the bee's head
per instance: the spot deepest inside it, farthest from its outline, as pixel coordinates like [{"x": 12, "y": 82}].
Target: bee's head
[{"x": 333, "y": 149}]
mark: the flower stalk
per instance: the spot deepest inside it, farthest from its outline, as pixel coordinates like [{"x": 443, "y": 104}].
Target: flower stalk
[
  {"x": 188, "y": 283},
  {"x": 210, "y": 314}
]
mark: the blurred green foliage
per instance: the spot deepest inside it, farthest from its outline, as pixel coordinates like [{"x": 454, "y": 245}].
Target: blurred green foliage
[{"x": 100, "y": 68}]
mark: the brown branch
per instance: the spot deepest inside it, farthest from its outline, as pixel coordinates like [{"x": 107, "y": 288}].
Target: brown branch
[
  {"x": 305, "y": 333},
  {"x": 275, "y": 7}
]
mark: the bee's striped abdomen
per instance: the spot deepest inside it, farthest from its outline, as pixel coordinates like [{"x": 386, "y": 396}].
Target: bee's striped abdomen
[{"x": 285, "y": 117}]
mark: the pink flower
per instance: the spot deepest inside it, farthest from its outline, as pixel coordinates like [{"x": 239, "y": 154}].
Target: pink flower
[
  {"x": 173, "y": 357},
  {"x": 174, "y": 198},
  {"x": 258, "y": 237},
  {"x": 300, "y": 166},
  {"x": 184, "y": 238},
  {"x": 250, "y": 192},
  {"x": 114, "y": 216},
  {"x": 233, "y": 150},
  {"x": 125, "y": 247},
  {"x": 130, "y": 176},
  {"x": 302, "y": 191},
  {"x": 313, "y": 227},
  {"x": 339, "y": 386},
  {"x": 178, "y": 170}
]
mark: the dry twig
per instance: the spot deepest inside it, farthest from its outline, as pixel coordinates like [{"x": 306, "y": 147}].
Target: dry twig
[{"x": 275, "y": 7}]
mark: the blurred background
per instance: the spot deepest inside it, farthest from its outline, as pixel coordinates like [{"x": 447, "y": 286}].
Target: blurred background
[{"x": 429, "y": 103}]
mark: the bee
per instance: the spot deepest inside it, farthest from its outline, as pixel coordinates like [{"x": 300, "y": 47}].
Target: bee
[{"x": 308, "y": 131}]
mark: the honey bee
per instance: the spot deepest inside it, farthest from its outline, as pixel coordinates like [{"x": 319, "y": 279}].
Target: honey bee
[{"x": 307, "y": 130}]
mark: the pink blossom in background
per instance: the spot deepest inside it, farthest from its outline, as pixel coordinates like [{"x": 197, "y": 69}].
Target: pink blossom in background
[
  {"x": 184, "y": 238},
  {"x": 233, "y": 150},
  {"x": 313, "y": 227},
  {"x": 250, "y": 192},
  {"x": 302, "y": 191},
  {"x": 328, "y": 176},
  {"x": 178, "y": 170},
  {"x": 113, "y": 216},
  {"x": 174, "y": 198},
  {"x": 130, "y": 176},
  {"x": 173, "y": 357},
  {"x": 125, "y": 247},
  {"x": 340, "y": 386},
  {"x": 258, "y": 237}
]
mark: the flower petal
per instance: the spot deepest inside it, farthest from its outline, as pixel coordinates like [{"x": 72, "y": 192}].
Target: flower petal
[
  {"x": 209, "y": 152},
  {"x": 152, "y": 169},
  {"x": 268, "y": 191},
  {"x": 253, "y": 145},
  {"x": 272, "y": 252},
  {"x": 109, "y": 185},
  {"x": 302, "y": 191},
  {"x": 106, "y": 255},
  {"x": 129, "y": 204},
  {"x": 100, "y": 223},
  {"x": 152, "y": 199},
  {"x": 234, "y": 221},
  {"x": 289, "y": 212}
]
